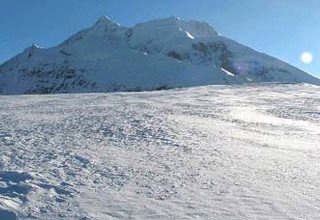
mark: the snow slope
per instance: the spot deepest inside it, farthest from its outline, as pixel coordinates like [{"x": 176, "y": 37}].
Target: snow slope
[
  {"x": 158, "y": 54},
  {"x": 214, "y": 152}
]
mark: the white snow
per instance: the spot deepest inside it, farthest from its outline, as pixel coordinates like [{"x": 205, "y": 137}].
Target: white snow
[
  {"x": 227, "y": 72},
  {"x": 190, "y": 35},
  {"x": 108, "y": 57},
  {"x": 213, "y": 152}
]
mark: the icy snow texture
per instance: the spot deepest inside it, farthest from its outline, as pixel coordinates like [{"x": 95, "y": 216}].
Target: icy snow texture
[
  {"x": 214, "y": 152},
  {"x": 159, "y": 54}
]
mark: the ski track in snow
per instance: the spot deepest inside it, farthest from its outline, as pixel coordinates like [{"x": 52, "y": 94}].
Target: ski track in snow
[{"x": 215, "y": 152}]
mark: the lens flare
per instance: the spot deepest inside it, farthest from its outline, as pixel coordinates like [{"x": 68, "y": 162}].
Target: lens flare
[{"x": 306, "y": 57}]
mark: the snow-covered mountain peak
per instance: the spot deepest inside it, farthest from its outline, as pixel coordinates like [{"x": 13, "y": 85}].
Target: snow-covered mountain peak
[
  {"x": 168, "y": 20},
  {"x": 104, "y": 23},
  {"x": 165, "y": 34},
  {"x": 105, "y": 20},
  {"x": 174, "y": 25},
  {"x": 104, "y": 29},
  {"x": 163, "y": 53}
]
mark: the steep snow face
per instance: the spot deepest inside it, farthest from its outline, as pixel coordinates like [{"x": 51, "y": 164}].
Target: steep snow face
[
  {"x": 159, "y": 34},
  {"x": 158, "y": 54},
  {"x": 104, "y": 28}
]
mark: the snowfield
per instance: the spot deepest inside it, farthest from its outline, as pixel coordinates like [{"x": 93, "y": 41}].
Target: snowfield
[{"x": 213, "y": 152}]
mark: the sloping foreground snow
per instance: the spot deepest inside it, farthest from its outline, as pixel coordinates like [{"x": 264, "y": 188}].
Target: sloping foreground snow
[{"x": 216, "y": 152}]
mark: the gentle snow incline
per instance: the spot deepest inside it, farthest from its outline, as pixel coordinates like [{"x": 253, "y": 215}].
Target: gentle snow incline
[{"x": 215, "y": 152}]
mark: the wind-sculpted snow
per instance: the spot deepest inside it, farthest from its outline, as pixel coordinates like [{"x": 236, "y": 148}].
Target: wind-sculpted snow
[{"x": 215, "y": 152}]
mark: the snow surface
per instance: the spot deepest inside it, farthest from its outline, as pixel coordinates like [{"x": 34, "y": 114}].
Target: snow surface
[
  {"x": 108, "y": 57},
  {"x": 227, "y": 72},
  {"x": 214, "y": 152}
]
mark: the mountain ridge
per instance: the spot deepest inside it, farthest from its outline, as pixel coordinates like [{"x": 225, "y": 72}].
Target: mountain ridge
[{"x": 158, "y": 54}]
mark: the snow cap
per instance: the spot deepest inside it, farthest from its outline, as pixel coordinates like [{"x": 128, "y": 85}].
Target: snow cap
[{"x": 105, "y": 21}]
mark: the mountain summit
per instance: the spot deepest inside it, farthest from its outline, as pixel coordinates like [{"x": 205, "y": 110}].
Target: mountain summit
[{"x": 159, "y": 54}]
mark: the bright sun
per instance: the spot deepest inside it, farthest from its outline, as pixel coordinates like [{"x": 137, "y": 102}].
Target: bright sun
[{"x": 306, "y": 57}]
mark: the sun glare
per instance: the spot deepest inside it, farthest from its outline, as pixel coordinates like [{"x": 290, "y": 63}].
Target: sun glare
[{"x": 306, "y": 57}]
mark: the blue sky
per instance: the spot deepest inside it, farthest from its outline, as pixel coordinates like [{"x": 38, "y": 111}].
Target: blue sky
[{"x": 282, "y": 28}]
